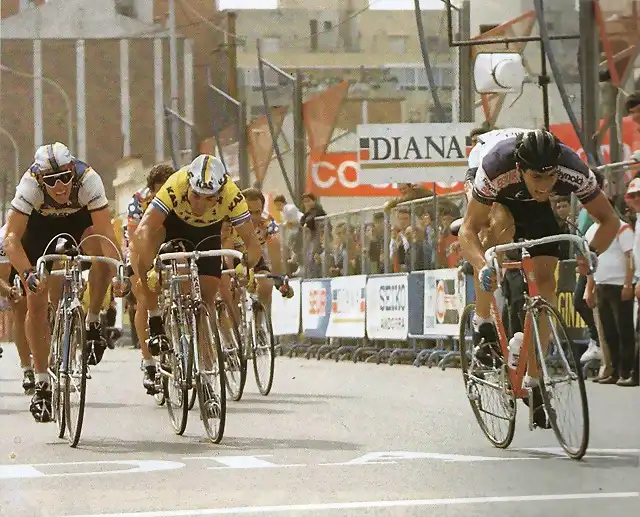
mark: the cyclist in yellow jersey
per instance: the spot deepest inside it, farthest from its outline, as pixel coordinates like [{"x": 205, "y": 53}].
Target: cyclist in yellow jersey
[
  {"x": 139, "y": 203},
  {"x": 191, "y": 205}
]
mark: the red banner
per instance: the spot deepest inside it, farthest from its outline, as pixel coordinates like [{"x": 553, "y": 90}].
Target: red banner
[{"x": 336, "y": 175}]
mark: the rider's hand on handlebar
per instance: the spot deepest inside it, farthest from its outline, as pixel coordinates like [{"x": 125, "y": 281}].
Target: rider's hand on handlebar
[
  {"x": 245, "y": 275},
  {"x": 32, "y": 281},
  {"x": 487, "y": 278},
  {"x": 583, "y": 264},
  {"x": 120, "y": 289}
]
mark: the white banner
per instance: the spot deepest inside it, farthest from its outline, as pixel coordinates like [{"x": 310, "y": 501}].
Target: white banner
[
  {"x": 285, "y": 312},
  {"x": 387, "y": 307},
  {"x": 444, "y": 300},
  {"x": 348, "y": 306},
  {"x": 413, "y": 153}
]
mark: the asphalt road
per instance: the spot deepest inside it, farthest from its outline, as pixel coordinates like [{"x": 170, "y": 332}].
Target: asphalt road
[{"x": 331, "y": 440}]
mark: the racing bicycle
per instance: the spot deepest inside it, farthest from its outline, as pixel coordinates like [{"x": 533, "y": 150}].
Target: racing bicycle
[
  {"x": 68, "y": 360},
  {"x": 195, "y": 356},
  {"x": 493, "y": 387}
]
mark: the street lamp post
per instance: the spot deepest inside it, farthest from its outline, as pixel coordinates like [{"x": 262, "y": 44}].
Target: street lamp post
[
  {"x": 60, "y": 89},
  {"x": 5, "y": 183}
]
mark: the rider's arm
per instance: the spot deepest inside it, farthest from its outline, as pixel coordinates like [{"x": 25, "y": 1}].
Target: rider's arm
[
  {"x": 475, "y": 219},
  {"x": 601, "y": 211},
  {"x": 5, "y": 288},
  {"x": 142, "y": 254},
  {"x": 16, "y": 227},
  {"x": 101, "y": 220},
  {"x": 247, "y": 233}
]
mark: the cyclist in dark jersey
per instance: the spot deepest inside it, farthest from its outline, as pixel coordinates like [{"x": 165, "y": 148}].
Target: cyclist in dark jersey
[{"x": 519, "y": 174}]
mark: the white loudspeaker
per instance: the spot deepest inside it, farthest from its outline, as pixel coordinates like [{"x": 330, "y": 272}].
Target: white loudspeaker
[{"x": 500, "y": 72}]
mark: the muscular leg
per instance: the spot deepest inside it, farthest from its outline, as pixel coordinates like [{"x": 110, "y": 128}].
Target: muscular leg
[
  {"x": 265, "y": 291},
  {"x": 19, "y": 310}
]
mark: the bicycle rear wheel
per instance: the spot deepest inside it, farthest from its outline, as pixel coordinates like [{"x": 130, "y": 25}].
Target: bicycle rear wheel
[
  {"x": 488, "y": 388},
  {"x": 562, "y": 384},
  {"x": 177, "y": 370},
  {"x": 209, "y": 380},
  {"x": 264, "y": 354},
  {"x": 75, "y": 388},
  {"x": 235, "y": 370}
]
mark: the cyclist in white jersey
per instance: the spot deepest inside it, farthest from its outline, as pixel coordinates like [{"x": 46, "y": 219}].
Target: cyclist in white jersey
[{"x": 516, "y": 179}]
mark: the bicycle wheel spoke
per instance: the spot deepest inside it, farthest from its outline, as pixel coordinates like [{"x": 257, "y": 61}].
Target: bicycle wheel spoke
[
  {"x": 175, "y": 375},
  {"x": 263, "y": 350},
  {"x": 231, "y": 343}
]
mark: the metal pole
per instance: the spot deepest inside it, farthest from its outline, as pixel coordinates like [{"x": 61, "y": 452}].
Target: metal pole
[
  {"x": 299, "y": 149},
  {"x": 173, "y": 68},
  {"x": 38, "y": 129},
  {"x": 589, "y": 53},
  {"x": 243, "y": 145},
  {"x": 232, "y": 53},
  {"x": 125, "y": 98},
  {"x": 158, "y": 100},
  {"x": 544, "y": 81},
  {"x": 81, "y": 92},
  {"x": 189, "y": 108},
  {"x": 467, "y": 94}
]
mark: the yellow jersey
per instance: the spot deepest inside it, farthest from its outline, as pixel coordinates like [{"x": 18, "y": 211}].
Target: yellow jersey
[{"x": 172, "y": 198}]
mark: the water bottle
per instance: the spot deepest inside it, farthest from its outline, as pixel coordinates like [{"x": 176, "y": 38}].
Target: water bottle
[{"x": 515, "y": 344}]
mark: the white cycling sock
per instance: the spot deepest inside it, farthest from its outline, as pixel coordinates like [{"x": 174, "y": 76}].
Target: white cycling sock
[
  {"x": 42, "y": 377},
  {"x": 155, "y": 312},
  {"x": 92, "y": 318},
  {"x": 148, "y": 362},
  {"x": 477, "y": 321}
]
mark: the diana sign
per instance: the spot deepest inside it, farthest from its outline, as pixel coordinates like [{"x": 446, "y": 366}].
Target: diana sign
[{"x": 413, "y": 153}]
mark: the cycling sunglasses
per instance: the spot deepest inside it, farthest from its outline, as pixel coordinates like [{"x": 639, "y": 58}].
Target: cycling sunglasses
[{"x": 64, "y": 177}]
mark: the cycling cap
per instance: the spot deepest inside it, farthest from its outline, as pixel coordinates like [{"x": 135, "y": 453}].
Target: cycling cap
[
  {"x": 207, "y": 174},
  {"x": 52, "y": 157},
  {"x": 538, "y": 150}
]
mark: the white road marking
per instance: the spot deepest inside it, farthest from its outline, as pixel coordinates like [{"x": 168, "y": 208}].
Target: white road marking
[
  {"x": 243, "y": 462},
  {"x": 560, "y": 451},
  {"x": 369, "y": 504},
  {"x": 137, "y": 467},
  {"x": 382, "y": 458}
]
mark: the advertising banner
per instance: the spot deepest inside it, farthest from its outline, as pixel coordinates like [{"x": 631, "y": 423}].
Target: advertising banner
[
  {"x": 338, "y": 175},
  {"x": 285, "y": 312},
  {"x": 316, "y": 307},
  {"x": 387, "y": 307},
  {"x": 348, "y": 306},
  {"x": 412, "y": 153},
  {"x": 444, "y": 301}
]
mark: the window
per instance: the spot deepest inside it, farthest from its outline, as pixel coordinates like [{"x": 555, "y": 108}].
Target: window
[
  {"x": 313, "y": 35},
  {"x": 252, "y": 77},
  {"x": 270, "y": 44},
  {"x": 486, "y": 27},
  {"x": 397, "y": 44},
  {"x": 327, "y": 26}
]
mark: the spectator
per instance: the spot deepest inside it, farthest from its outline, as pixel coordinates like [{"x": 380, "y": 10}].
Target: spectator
[
  {"x": 448, "y": 245},
  {"x": 408, "y": 192},
  {"x": 312, "y": 246},
  {"x": 279, "y": 203},
  {"x": 562, "y": 209},
  {"x": 613, "y": 282},
  {"x": 633, "y": 200},
  {"x": 376, "y": 244},
  {"x": 429, "y": 242},
  {"x": 399, "y": 246}
]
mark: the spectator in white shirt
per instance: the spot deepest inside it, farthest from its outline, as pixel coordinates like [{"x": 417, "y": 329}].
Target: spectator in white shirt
[
  {"x": 613, "y": 281},
  {"x": 632, "y": 199}
]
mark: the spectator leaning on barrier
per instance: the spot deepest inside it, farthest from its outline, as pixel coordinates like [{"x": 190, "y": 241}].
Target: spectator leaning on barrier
[
  {"x": 376, "y": 244},
  {"x": 633, "y": 200},
  {"x": 311, "y": 242},
  {"x": 408, "y": 192},
  {"x": 613, "y": 281}
]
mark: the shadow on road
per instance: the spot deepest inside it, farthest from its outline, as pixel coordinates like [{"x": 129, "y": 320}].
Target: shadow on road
[{"x": 283, "y": 443}]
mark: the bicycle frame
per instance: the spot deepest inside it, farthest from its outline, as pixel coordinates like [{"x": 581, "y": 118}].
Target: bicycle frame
[{"x": 526, "y": 266}]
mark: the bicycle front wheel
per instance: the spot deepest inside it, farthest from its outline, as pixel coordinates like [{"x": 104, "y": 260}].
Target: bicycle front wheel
[
  {"x": 75, "y": 387},
  {"x": 55, "y": 376},
  {"x": 264, "y": 354},
  {"x": 562, "y": 384},
  {"x": 210, "y": 377},
  {"x": 176, "y": 369},
  {"x": 487, "y": 387}
]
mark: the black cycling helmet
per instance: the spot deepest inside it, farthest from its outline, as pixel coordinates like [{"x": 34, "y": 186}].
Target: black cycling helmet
[{"x": 538, "y": 150}]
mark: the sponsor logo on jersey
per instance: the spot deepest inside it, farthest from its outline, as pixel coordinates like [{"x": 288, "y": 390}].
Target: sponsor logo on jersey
[
  {"x": 571, "y": 177},
  {"x": 236, "y": 201}
]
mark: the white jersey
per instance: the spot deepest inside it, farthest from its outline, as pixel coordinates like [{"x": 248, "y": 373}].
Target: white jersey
[
  {"x": 488, "y": 140},
  {"x": 87, "y": 192}
]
